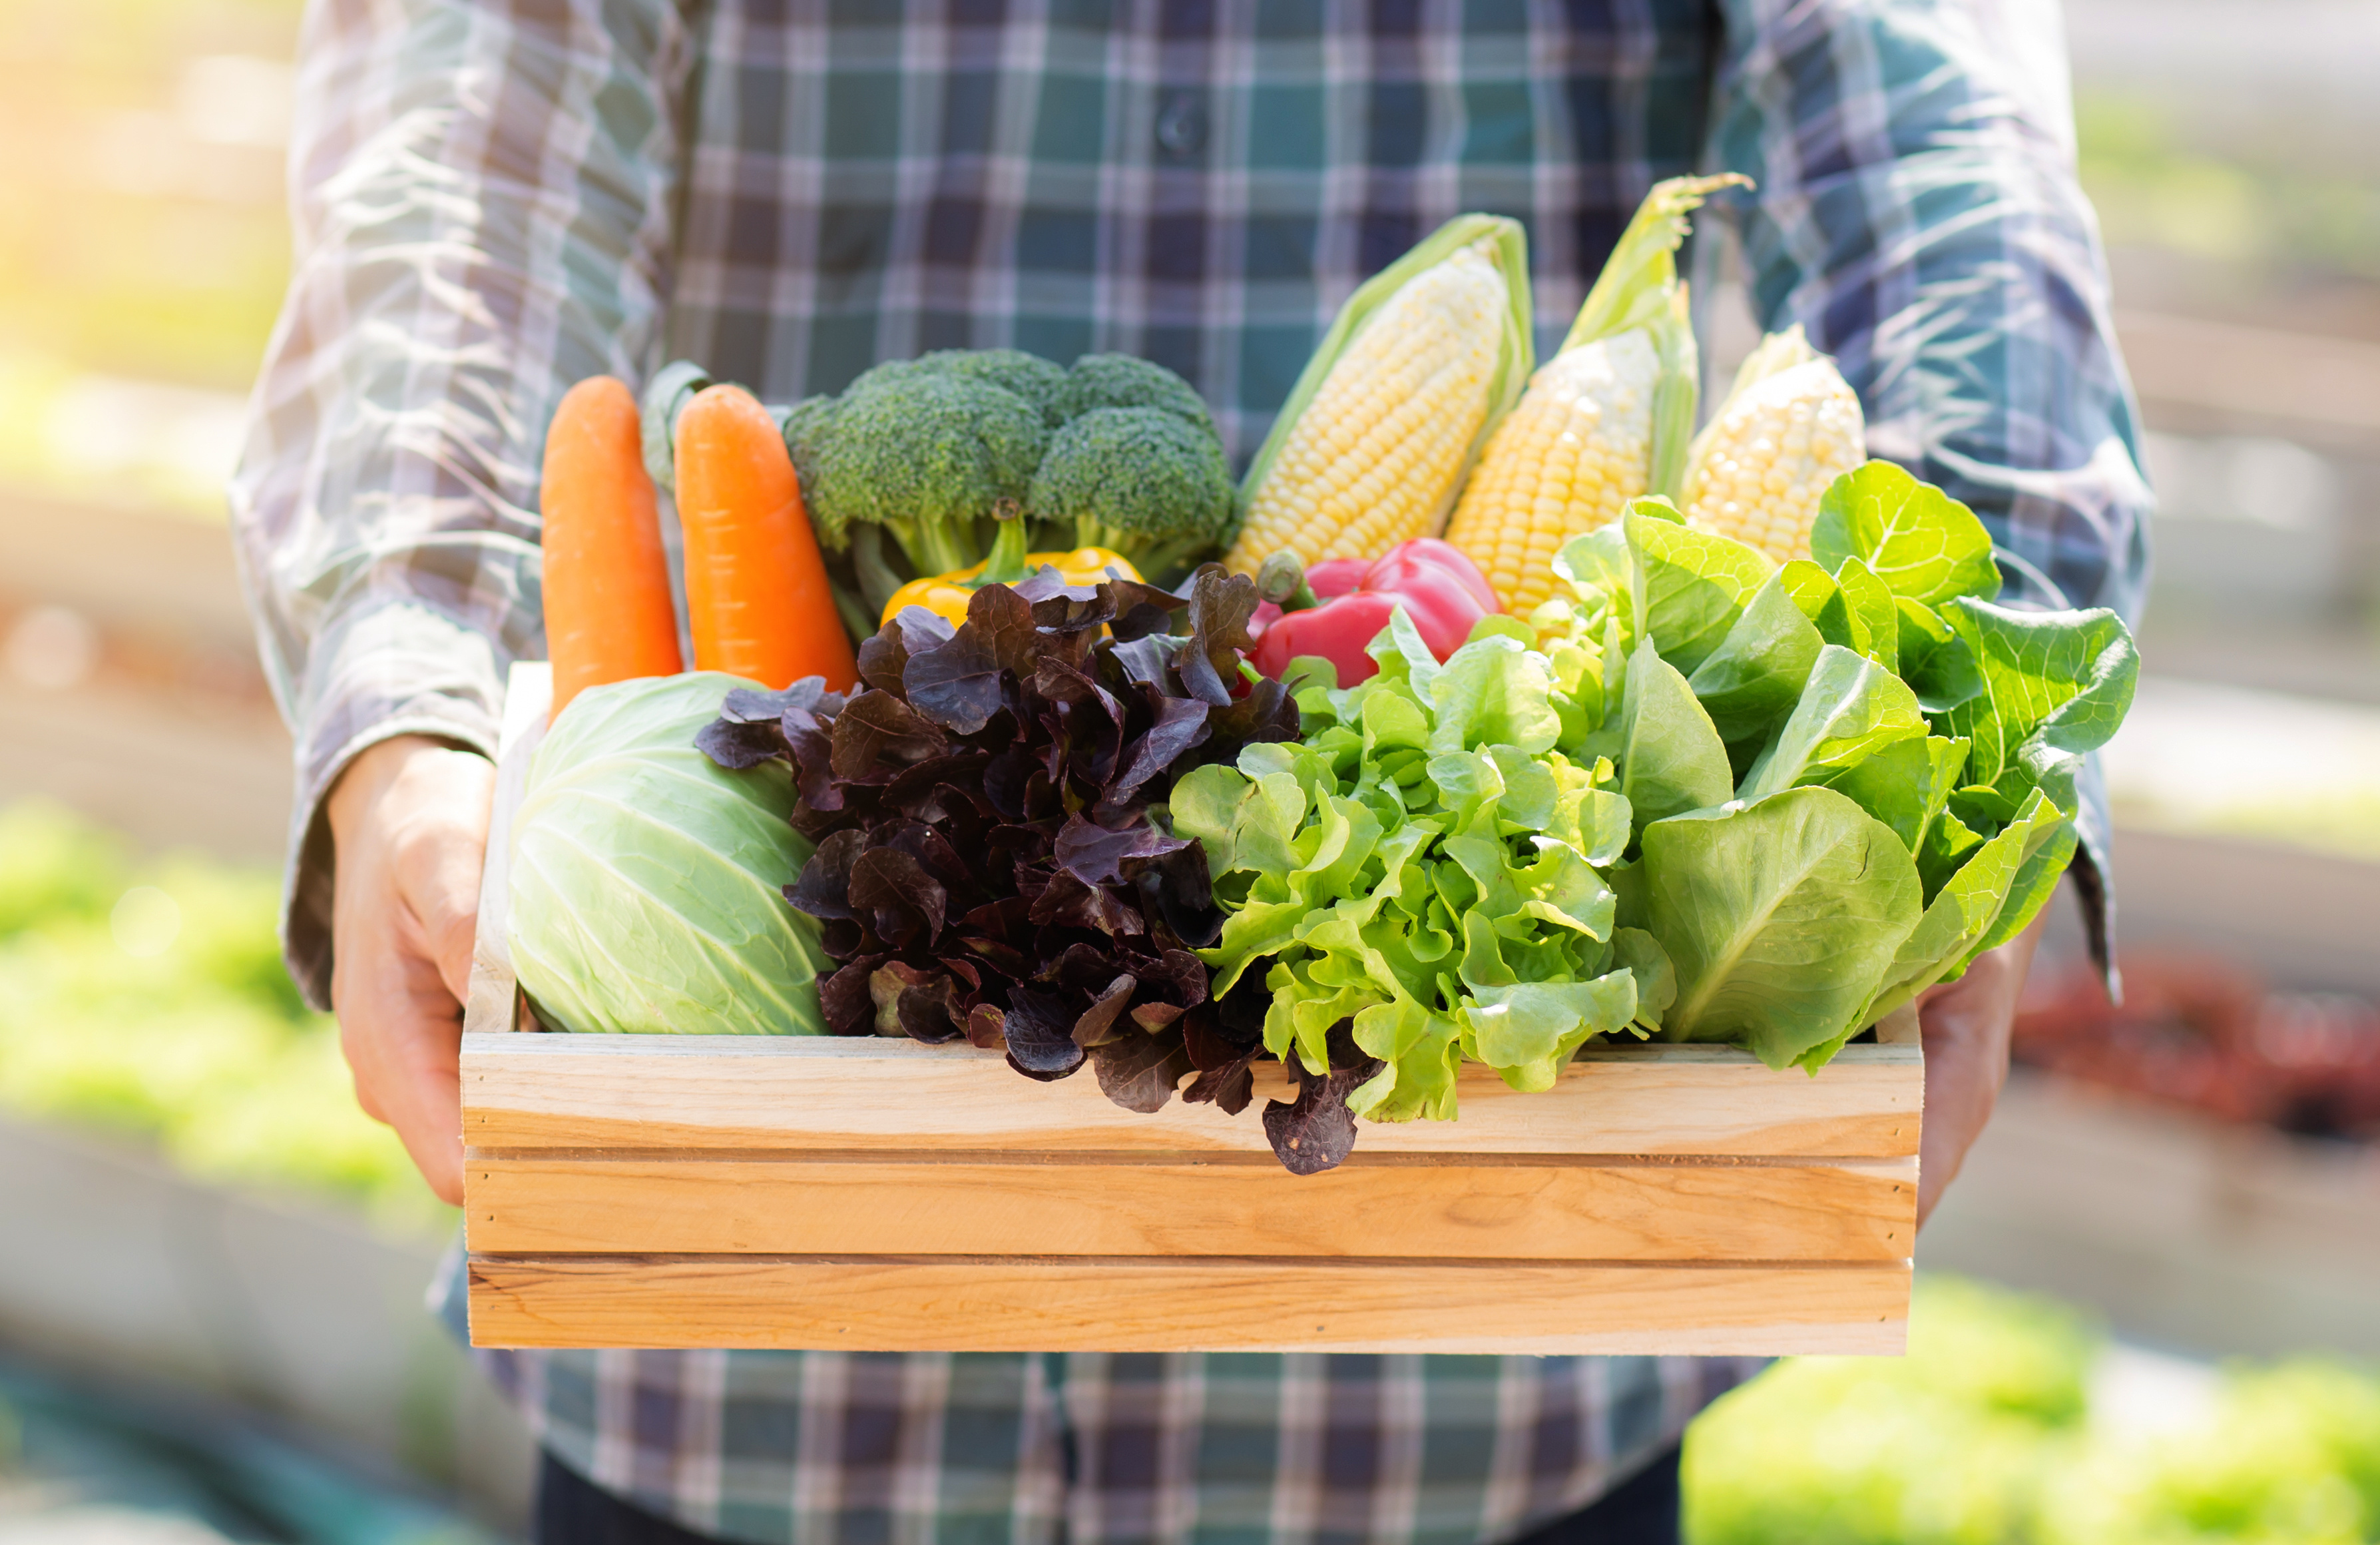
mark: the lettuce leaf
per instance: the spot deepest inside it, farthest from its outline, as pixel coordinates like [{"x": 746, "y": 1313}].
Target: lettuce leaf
[
  {"x": 1921, "y": 542},
  {"x": 2055, "y": 687},
  {"x": 1422, "y": 875},
  {"x": 1905, "y": 784},
  {"x": 1671, "y": 757},
  {"x": 1851, "y": 708},
  {"x": 1935, "y": 659},
  {"x": 1782, "y": 919},
  {"x": 1966, "y": 912},
  {"x": 1691, "y": 585},
  {"x": 1874, "y": 612},
  {"x": 1750, "y": 682}
]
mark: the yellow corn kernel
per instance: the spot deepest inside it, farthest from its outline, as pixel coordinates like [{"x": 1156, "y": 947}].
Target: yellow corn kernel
[
  {"x": 1762, "y": 465},
  {"x": 1566, "y": 461},
  {"x": 1374, "y": 457}
]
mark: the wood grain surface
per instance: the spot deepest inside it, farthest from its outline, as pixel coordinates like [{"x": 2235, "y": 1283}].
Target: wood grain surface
[
  {"x": 675, "y": 1092},
  {"x": 1011, "y": 1303},
  {"x": 1001, "y": 1205}
]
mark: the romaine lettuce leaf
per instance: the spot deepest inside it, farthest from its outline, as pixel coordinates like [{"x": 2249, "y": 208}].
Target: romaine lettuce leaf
[
  {"x": 1750, "y": 682},
  {"x": 1968, "y": 909},
  {"x": 1691, "y": 585},
  {"x": 1905, "y": 784},
  {"x": 2030, "y": 891},
  {"x": 1934, "y": 661},
  {"x": 2055, "y": 687},
  {"x": 1851, "y": 709},
  {"x": 1875, "y": 614},
  {"x": 1781, "y": 918},
  {"x": 1949, "y": 842},
  {"x": 1823, "y": 602},
  {"x": 1670, "y": 758},
  {"x": 1920, "y": 542}
]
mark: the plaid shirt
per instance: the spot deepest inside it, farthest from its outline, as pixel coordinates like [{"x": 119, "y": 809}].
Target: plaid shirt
[{"x": 494, "y": 201}]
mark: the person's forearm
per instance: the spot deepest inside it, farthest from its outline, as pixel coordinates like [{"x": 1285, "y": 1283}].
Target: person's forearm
[
  {"x": 1919, "y": 212},
  {"x": 384, "y": 508}
]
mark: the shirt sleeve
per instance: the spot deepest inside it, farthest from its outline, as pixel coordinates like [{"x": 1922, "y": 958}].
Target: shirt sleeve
[
  {"x": 482, "y": 197},
  {"x": 1918, "y": 211}
]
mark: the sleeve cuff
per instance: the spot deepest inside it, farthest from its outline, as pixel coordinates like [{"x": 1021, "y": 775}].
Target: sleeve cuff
[
  {"x": 2095, "y": 874},
  {"x": 399, "y": 669}
]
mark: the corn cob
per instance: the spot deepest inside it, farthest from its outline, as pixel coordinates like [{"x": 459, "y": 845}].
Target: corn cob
[
  {"x": 1604, "y": 421},
  {"x": 1377, "y": 434},
  {"x": 1789, "y": 426}
]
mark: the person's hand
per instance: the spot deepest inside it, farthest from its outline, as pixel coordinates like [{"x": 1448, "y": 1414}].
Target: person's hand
[
  {"x": 409, "y": 820},
  {"x": 1965, "y": 1025}
]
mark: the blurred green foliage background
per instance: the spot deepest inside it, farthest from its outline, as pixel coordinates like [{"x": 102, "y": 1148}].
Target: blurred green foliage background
[
  {"x": 2259, "y": 215},
  {"x": 147, "y": 999},
  {"x": 143, "y": 239},
  {"x": 141, "y": 226},
  {"x": 2002, "y": 1427}
]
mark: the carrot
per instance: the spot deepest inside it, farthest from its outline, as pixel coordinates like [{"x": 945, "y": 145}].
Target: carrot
[
  {"x": 756, "y": 589},
  {"x": 607, "y": 590}
]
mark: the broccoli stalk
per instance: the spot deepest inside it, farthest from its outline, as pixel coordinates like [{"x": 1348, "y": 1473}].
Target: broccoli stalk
[
  {"x": 1144, "y": 483},
  {"x": 1006, "y": 566}
]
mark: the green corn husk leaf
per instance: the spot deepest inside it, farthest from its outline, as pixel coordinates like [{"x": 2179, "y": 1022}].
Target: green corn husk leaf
[
  {"x": 1514, "y": 361},
  {"x": 1675, "y": 396},
  {"x": 1635, "y": 288},
  {"x": 1639, "y": 288}
]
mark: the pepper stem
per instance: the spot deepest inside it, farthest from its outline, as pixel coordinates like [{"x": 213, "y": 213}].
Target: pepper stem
[
  {"x": 1006, "y": 564},
  {"x": 1282, "y": 580}
]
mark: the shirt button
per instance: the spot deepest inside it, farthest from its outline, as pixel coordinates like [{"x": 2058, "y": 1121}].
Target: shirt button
[{"x": 1182, "y": 123}]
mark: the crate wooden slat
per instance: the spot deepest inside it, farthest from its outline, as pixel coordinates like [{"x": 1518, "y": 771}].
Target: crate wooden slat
[
  {"x": 746, "y": 1092},
  {"x": 980, "y": 1204},
  {"x": 878, "y": 1194},
  {"x": 966, "y": 1303}
]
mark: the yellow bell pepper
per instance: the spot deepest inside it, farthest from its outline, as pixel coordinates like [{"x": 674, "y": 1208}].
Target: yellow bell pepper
[{"x": 946, "y": 595}]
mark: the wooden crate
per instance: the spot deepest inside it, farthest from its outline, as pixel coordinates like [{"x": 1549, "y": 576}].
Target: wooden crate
[{"x": 873, "y": 1194}]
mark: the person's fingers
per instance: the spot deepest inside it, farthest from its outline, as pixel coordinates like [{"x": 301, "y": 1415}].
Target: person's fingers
[
  {"x": 1962, "y": 1079},
  {"x": 1966, "y": 1027},
  {"x": 429, "y": 1117},
  {"x": 411, "y": 819},
  {"x": 400, "y": 1031},
  {"x": 448, "y": 796}
]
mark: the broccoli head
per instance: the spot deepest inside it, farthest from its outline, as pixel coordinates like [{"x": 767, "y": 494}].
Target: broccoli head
[
  {"x": 1037, "y": 380},
  {"x": 925, "y": 453},
  {"x": 1121, "y": 381},
  {"x": 802, "y": 425},
  {"x": 1143, "y": 481}
]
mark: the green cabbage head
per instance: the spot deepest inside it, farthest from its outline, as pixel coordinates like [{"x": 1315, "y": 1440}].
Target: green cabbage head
[{"x": 647, "y": 880}]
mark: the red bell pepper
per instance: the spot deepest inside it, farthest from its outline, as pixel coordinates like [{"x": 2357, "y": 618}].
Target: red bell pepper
[{"x": 1339, "y": 605}]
